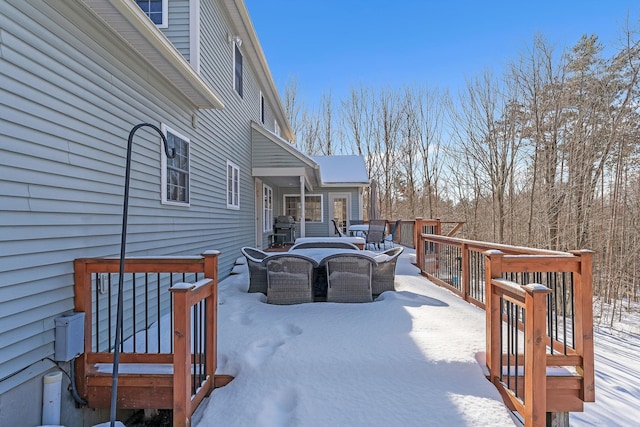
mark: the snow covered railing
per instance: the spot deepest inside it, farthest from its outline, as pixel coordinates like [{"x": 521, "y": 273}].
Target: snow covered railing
[
  {"x": 479, "y": 272},
  {"x": 168, "y": 354}
]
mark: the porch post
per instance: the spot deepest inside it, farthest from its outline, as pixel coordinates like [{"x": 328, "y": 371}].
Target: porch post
[{"x": 303, "y": 215}]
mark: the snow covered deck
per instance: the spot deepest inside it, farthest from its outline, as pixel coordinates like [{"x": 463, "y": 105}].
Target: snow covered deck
[{"x": 409, "y": 358}]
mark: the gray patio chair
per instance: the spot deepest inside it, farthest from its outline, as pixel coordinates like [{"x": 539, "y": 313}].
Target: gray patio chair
[
  {"x": 326, "y": 244},
  {"x": 349, "y": 277},
  {"x": 290, "y": 279},
  {"x": 391, "y": 237},
  {"x": 257, "y": 269},
  {"x": 336, "y": 229},
  {"x": 375, "y": 234},
  {"x": 384, "y": 273}
]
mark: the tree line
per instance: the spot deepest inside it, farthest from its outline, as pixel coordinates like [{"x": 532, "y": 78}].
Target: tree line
[{"x": 545, "y": 154}]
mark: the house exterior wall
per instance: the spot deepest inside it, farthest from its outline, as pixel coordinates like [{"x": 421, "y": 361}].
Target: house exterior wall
[
  {"x": 69, "y": 95},
  {"x": 318, "y": 229},
  {"x": 266, "y": 154},
  {"x": 178, "y": 30},
  {"x": 323, "y": 229}
]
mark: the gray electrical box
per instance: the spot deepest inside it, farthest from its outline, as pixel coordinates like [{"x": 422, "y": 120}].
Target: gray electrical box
[{"x": 69, "y": 336}]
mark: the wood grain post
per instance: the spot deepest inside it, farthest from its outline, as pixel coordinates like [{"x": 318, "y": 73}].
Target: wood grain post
[
  {"x": 82, "y": 290},
  {"x": 493, "y": 313},
  {"x": 417, "y": 243},
  {"x": 535, "y": 368},
  {"x": 466, "y": 277},
  {"x": 182, "y": 354},
  {"x": 211, "y": 341},
  {"x": 583, "y": 294}
]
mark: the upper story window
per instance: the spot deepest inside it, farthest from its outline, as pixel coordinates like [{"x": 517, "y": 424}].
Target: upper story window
[
  {"x": 261, "y": 108},
  {"x": 156, "y": 10},
  {"x": 267, "y": 204},
  {"x": 175, "y": 172},
  {"x": 233, "y": 186},
  {"x": 237, "y": 69}
]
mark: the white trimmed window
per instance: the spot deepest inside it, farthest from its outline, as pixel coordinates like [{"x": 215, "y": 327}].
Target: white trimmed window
[
  {"x": 267, "y": 207},
  {"x": 312, "y": 207},
  {"x": 237, "y": 69},
  {"x": 175, "y": 173},
  {"x": 156, "y": 10},
  {"x": 233, "y": 186}
]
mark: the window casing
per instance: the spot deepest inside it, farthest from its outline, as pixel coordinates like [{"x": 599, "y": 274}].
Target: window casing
[
  {"x": 276, "y": 128},
  {"x": 233, "y": 186},
  {"x": 312, "y": 207},
  {"x": 267, "y": 207},
  {"x": 261, "y": 108},
  {"x": 237, "y": 69},
  {"x": 175, "y": 173},
  {"x": 156, "y": 10}
]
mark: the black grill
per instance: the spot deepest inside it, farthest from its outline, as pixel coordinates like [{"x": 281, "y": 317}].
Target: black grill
[{"x": 284, "y": 230}]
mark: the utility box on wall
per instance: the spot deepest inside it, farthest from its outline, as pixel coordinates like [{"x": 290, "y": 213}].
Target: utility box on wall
[{"x": 69, "y": 337}]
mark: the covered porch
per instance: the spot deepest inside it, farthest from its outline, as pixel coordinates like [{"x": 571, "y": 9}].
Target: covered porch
[{"x": 312, "y": 190}]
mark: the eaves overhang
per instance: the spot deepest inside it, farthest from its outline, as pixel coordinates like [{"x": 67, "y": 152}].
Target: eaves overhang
[{"x": 132, "y": 25}]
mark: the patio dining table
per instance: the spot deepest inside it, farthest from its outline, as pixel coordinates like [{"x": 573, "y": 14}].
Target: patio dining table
[
  {"x": 319, "y": 254},
  {"x": 358, "y": 230},
  {"x": 358, "y": 241}
]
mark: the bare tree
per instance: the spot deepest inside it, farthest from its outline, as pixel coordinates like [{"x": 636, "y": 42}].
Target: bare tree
[{"x": 486, "y": 132}]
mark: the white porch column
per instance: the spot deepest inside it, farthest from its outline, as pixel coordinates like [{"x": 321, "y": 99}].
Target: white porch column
[{"x": 303, "y": 219}]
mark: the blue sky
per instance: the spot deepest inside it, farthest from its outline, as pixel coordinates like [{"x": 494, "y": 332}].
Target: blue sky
[{"x": 332, "y": 44}]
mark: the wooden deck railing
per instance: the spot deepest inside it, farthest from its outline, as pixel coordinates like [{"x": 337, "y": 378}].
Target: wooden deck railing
[
  {"x": 168, "y": 354},
  {"x": 539, "y": 317}
]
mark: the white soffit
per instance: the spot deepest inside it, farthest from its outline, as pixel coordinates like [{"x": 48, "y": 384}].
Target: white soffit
[{"x": 126, "y": 19}]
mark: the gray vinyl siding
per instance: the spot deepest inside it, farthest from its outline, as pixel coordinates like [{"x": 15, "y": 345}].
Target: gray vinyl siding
[
  {"x": 267, "y": 154},
  {"x": 67, "y": 104},
  {"x": 178, "y": 29}
]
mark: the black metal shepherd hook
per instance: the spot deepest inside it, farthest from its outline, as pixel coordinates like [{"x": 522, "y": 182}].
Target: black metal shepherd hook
[{"x": 125, "y": 209}]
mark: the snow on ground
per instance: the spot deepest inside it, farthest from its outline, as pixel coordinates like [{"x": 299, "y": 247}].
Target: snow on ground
[
  {"x": 617, "y": 363},
  {"x": 407, "y": 359}
]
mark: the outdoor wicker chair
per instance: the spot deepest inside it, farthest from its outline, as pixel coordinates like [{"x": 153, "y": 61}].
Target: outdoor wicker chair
[
  {"x": 290, "y": 279},
  {"x": 349, "y": 277},
  {"x": 384, "y": 273},
  {"x": 375, "y": 234},
  {"x": 257, "y": 269},
  {"x": 391, "y": 237},
  {"x": 324, "y": 244}
]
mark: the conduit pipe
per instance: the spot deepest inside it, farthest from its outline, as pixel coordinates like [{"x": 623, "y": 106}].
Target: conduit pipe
[{"x": 51, "y": 393}]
